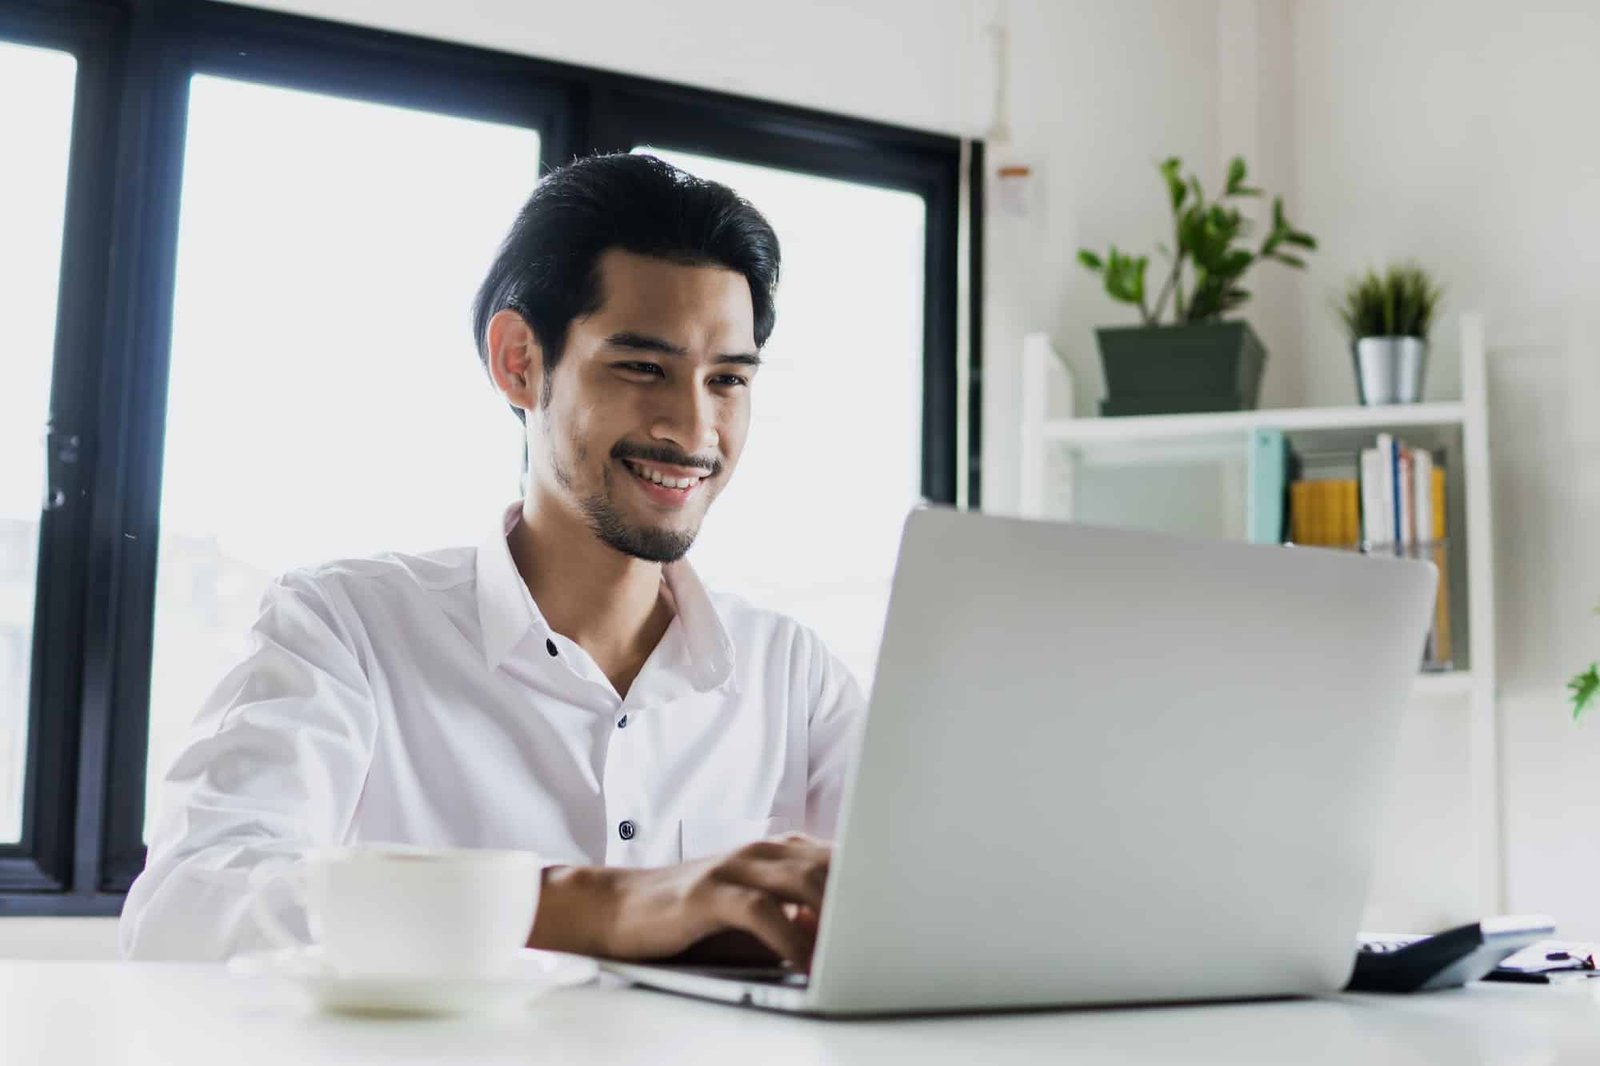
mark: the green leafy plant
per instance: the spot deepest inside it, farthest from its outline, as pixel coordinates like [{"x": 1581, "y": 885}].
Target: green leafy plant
[
  {"x": 1208, "y": 240},
  {"x": 1585, "y": 687},
  {"x": 1400, "y": 302}
]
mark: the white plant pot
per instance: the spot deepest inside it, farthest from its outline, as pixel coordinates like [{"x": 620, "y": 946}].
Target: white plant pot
[{"x": 1390, "y": 369}]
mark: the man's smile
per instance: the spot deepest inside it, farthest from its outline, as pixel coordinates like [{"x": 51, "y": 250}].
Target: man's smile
[{"x": 664, "y": 484}]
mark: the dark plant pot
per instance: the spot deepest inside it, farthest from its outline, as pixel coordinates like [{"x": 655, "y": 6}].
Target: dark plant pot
[{"x": 1214, "y": 366}]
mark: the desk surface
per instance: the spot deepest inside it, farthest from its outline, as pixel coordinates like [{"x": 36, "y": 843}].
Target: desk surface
[{"x": 166, "y": 1014}]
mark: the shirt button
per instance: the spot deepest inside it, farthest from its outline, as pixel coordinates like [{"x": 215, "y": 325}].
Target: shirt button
[
  {"x": 622, "y": 723},
  {"x": 550, "y": 646},
  {"x": 626, "y": 830}
]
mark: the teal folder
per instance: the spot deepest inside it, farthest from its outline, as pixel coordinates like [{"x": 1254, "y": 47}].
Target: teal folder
[{"x": 1269, "y": 477}]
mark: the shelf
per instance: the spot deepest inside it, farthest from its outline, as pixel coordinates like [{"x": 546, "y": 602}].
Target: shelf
[
  {"x": 1136, "y": 429},
  {"x": 1444, "y": 683}
]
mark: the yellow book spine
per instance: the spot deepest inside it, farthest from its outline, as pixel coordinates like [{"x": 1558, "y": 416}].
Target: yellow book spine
[
  {"x": 1441, "y": 607},
  {"x": 1349, "y": 513},
  {"x": 1300, "y": 512}
]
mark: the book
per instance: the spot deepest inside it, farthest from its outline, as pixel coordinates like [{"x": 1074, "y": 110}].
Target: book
[
  {"x": 1349, "y": 495},
  {"x": 1440, "y": 646},
  {"x": 1422, "y": 496},
  {"x": 1405, "y": 496},
  {"x": 1387, "y": 518},
  {"x": 1300, "y": 512},
  {"x": 1371, "y": 497},
  {"x": 1268, "y": 477},
  {"x": 1325, "y": 512}
]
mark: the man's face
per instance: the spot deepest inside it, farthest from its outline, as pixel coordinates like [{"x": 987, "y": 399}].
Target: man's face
[{"x": 654, "y": 387}]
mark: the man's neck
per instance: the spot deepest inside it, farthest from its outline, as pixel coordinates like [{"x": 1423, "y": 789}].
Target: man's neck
[{"x": 610, "y": 604}]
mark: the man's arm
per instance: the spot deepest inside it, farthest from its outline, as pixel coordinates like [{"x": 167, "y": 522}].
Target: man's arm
[
  {"x": 838, "y": 711},
  {"x": 274, "y": 766}
]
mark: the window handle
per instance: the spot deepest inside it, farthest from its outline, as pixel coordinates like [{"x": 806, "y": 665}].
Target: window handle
[{"x": 61, "y": 460}]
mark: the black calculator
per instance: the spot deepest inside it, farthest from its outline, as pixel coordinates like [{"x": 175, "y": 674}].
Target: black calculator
[{"x": 1443, "y": 960}]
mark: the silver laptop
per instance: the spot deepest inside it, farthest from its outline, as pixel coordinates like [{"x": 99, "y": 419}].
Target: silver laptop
[{"x": 1104, "y": 766}]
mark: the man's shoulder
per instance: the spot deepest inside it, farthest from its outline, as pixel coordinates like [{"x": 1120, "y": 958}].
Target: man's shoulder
[
  {"x": 753, "y": 624},
  {"x": 385, "y": 576}
]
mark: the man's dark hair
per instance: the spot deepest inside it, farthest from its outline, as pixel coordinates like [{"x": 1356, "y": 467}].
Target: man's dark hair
[{"x": 547, "y": 269}]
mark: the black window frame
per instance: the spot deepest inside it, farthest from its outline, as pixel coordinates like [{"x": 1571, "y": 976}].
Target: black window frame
[{"x": 82, "y": 840}]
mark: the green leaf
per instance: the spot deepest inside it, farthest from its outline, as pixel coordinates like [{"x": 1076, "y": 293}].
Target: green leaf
[
  {"x": 1175, "y": 188},
  {"x": 1236, "y": 262},
  {"x": 1585, "y": 688},
  {"x": 1302, "y": 240},
  {"x": 1290, "y": 260},
  {"x": 1236, "y": 172},
  {"x": 1090, "y": 260}
]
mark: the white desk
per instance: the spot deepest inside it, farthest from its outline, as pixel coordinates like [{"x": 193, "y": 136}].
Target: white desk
[{"x": 82, "y": 1013}]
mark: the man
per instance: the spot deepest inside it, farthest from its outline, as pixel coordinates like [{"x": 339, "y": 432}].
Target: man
[{"x": 568, "y": 687}]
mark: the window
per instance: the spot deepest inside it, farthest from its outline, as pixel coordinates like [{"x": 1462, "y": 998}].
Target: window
[
  {"x": 33, "y": 186},
  {"x": 267, "y": 231},
  {"x": 845, "y": 354},
  {"x": 327, "y": 405}
]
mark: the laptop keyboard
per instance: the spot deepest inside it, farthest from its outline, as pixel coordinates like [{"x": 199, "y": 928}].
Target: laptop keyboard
[{"x": 756, "y": 975}]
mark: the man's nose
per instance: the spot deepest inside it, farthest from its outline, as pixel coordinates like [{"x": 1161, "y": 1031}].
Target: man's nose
[{"x": 687, "y": 418}]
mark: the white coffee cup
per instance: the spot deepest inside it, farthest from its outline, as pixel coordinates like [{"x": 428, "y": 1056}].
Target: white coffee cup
[{"x": 399, "y": 911}]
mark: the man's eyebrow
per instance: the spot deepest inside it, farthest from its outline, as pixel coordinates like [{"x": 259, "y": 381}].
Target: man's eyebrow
[{"x": 641, "y": 342}]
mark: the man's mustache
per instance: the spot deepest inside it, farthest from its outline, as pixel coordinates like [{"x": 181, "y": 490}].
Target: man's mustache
[{"x": 670, "y": 456}]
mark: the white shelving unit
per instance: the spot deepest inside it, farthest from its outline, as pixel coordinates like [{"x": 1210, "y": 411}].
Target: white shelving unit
[{"x": 1058, "y": 452}]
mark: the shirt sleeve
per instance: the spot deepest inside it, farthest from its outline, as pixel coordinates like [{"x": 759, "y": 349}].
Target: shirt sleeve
[
  {"x": 837, "y": 713},
  {"x": 274, "y": 766}
]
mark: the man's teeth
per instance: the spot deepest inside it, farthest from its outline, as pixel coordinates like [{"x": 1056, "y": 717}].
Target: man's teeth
[{"x": 669, "y": 482}]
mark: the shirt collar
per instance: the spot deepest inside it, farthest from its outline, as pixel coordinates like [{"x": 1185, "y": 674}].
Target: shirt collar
[{"x": 507, "y": 613}]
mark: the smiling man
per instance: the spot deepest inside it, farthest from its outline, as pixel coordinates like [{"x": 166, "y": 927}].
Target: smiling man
[{"x": 567, "y": 687}]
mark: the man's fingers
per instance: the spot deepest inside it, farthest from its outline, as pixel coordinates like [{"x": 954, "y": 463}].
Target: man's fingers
[
  {"x": 792, "y": 880},
  {"x": 761, "y": 915},
  {"x": 791, "y": 844}
]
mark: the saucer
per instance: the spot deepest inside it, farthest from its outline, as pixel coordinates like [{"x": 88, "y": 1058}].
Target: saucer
[{"x": 532, "y": 974}]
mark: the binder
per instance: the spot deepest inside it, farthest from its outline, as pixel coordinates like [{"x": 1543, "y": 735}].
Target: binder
[{"x": 1268, "y": 474}]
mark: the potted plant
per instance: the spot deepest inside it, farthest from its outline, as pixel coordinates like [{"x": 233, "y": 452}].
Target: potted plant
[
  {"x": 1388, "y": 317},
  {"x": 1199, "y": 362}
]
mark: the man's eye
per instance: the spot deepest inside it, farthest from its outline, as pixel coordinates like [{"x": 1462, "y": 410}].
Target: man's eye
[
  {"x": 641, "y": 368},
  {"x": 733, "y": 380}
]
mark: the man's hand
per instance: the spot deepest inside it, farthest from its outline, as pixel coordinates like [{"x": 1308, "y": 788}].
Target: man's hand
[{"x": 770, "y": 890}]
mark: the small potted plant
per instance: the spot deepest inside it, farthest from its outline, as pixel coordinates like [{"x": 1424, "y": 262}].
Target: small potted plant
[
  {"x": 1388, "y": 317},
  {"x": 1199, "y": 362}
]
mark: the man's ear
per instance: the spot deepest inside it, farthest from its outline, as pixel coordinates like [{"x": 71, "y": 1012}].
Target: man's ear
[{"x": 516, "y": 362}]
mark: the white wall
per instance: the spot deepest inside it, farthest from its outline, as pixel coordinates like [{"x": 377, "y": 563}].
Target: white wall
[
  {"x": 1099, "y": 91},
  {"x": 893, "y": 60},
  {"x": 1462, "y": 133}
]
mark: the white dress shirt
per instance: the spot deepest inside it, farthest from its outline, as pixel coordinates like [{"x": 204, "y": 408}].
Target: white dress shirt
[{"x": 423, "y": 699}]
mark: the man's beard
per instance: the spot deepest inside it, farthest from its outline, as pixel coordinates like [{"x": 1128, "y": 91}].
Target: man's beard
[{"x": 655, "y": 545}]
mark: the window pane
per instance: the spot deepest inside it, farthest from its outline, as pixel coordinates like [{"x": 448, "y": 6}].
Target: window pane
[
  {"x": 33, "y": 193},
  {"x": 810, "y": 523},
  {"x": 326, "y": 399}
]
